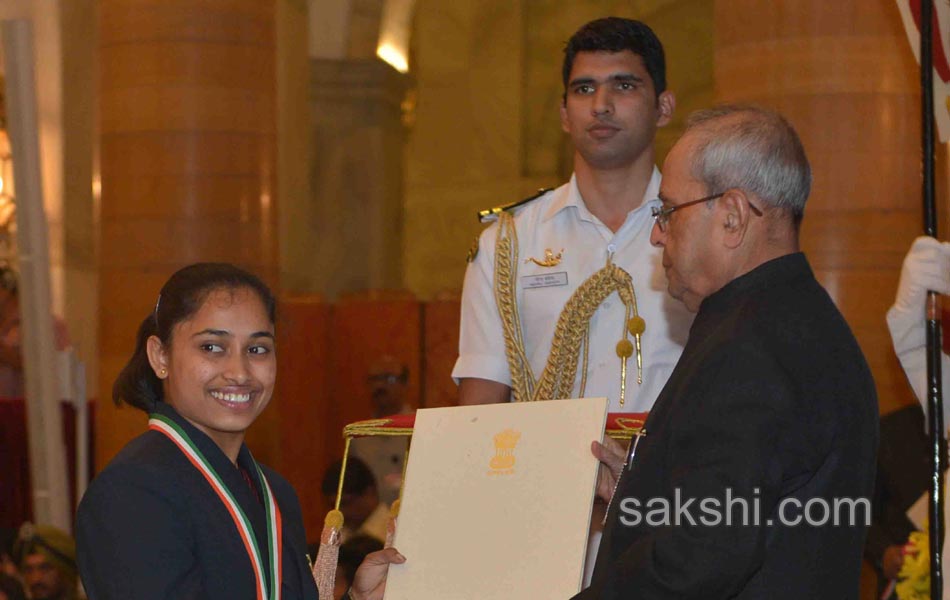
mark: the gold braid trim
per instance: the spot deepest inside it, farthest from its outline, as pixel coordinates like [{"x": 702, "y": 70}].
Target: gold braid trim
[
  {"x": 505, "y": 278},
  {"x": 626, "y": 428},
  {"x": 573, "y": 325},
  {"x": 573, "y": 330},
  {"x": 374, "y": 427},
  {"x": 622, "y": 427}
]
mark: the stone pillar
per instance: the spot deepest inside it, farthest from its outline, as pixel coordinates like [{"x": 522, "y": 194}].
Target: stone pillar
[
  {"x": 349, "y": 237},
  {"x": 187, "y": 140},
  {"x": 843, "y": 74},
  {"x": 80, "y": 235}
]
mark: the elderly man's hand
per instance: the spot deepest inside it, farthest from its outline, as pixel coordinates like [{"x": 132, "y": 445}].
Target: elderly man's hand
[
  {"x": 610, "y": 453},
  {"x": 369, "y": 583}
]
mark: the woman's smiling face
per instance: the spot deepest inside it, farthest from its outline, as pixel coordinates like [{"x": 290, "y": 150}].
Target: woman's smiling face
[{"x": 220, "y": 368}]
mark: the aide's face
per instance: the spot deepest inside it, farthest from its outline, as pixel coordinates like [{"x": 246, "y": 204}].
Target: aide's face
[
  {"x": 41, "y": 578},
  {"x": 611, "y": 109},
  {"x": 222, "y": 364},
  {"x": 689, "y": 248}
]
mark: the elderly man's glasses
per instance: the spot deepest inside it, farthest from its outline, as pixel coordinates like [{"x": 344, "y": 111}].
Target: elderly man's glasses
[{"x": 662, "y": 214}]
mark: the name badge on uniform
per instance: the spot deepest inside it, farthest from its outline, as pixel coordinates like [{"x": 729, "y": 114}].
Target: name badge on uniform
[{"x": 544, "y": 280}]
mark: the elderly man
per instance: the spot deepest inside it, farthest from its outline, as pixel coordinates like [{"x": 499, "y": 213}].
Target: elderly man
[
  {"x": 47, "y": 559},
  {"x": 763, "y": 442},
  {"x": 751, "y": 478}
]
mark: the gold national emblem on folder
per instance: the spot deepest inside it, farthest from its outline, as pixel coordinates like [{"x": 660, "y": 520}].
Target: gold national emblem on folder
[
  {"x": 491, "y": 463},
  {"x": 503, "y": 463}
]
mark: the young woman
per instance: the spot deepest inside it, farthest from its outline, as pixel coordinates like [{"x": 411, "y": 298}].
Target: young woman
[{"x": 184, "y": 511}]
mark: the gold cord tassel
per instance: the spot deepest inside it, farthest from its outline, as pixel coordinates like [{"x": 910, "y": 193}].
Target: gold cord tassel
[
  {"x": 391, "y": 524},
  {"x": 636, "y": 326},
  {"x": 324, "y": 568},
  {"x": 505, "y": 283},
  {"x": 639, "y": 362},
  {"x": 623, "y": 380},
  {"x": 572, "y": 333}
]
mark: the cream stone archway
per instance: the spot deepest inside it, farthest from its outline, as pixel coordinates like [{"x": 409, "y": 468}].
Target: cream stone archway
[{"x": 343, "y": 230}]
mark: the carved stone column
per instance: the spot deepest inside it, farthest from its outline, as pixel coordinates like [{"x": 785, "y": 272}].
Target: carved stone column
[{"x": 349, "y": 237}]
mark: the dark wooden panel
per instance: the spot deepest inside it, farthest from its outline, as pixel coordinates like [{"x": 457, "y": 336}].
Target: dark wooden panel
[
  {"x": 365, "y": 326},
  {"x": 302, "y": 401},
  {"x": 441, "y": 339}
]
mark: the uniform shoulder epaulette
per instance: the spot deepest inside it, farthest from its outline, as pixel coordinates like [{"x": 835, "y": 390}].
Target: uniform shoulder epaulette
[{"x": 491, "y": 214}]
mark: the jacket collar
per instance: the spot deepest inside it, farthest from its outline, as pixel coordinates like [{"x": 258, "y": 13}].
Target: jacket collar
[{"x": 569, "y": 195}]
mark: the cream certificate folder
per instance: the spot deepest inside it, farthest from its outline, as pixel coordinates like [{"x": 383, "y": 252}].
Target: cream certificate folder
[{"x": 497, "y": 501}]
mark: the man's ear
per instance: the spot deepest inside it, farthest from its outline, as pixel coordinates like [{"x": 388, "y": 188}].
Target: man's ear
[
  {"x": 665, "y": 104},
  {"x": 736, "y": 214},
  {"x": 565, "y": 123},
  {"x": 157, "y": 356}
]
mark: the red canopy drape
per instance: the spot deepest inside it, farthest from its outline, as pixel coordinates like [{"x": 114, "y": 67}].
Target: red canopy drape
[{"x": 16, "y": 504}]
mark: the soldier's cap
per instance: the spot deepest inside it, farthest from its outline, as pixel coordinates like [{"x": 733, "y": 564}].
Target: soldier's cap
[{"x": 55, "y": 544}]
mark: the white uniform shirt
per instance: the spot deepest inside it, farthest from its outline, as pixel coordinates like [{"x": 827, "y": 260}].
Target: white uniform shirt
[{"x": 560, "y": 221}]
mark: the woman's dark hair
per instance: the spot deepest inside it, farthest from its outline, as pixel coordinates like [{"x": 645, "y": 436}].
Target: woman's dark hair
[{"x": 180, "y": 298}]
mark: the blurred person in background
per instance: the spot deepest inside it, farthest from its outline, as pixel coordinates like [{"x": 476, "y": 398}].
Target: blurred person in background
[
  {"x": 8, "y": 538},
  {"x": 11, "y": 358},
  {"x": 363, "y": 511},
  {"x": 387, "y": 381},
  {"x": 47, "y": 561}
]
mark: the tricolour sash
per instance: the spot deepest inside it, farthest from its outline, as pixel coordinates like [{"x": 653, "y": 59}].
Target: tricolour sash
[{"x": 177, "y": 435}]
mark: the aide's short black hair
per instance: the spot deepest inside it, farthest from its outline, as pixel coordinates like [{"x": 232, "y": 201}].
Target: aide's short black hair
[{"x": 615, "y": 34}]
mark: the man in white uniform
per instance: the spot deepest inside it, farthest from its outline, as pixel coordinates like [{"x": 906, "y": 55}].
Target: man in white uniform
[{"x": 615, "y": 99}]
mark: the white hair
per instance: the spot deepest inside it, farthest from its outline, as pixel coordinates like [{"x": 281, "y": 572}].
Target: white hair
[{"x": 754, "y": 149}]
